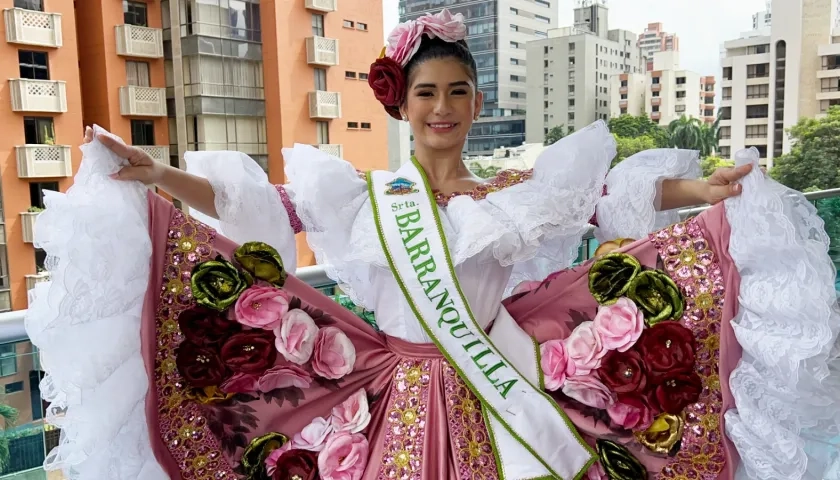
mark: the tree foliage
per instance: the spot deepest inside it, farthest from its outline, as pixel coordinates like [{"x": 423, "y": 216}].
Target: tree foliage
[
  {"x": 692, "y": 134},
  {"x": 484, "y": 172},
  {"x": 627, "y": 146},
  {"x": 630, "y": 126},
  {"x": 711, "y": 163},
  {"x": 556, "y": 133},
  {"x": 814, "y": 159}
]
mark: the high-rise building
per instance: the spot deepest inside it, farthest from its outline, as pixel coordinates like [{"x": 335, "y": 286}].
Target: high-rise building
[
  {"x": 774, "y": 76},
  {"x": 654, "y": 39},
  {"x": 569, "y": 72},
  {"x": 497, "y": 32},
  {"x": 665, "y": 93}
]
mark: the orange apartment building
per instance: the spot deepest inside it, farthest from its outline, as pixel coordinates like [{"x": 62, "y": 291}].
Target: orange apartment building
[{"x": 170, "y": 76}]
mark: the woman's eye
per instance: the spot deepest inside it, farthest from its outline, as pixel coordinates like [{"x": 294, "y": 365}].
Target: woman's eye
[
  {"x": 424, "y": 94},
  {"x": 459, "y": 92}
]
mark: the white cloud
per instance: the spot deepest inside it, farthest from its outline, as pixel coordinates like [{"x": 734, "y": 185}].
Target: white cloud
[{"x": 702, "y": 25}]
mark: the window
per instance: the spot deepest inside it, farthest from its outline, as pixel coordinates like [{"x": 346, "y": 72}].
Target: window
[
  {"x": 727, "y": 73},
  {"x": 757, "y": 111},
  {"x": 515, "y": 61},
  {"x": 514, "y": 44},
  {"x": 758, "y": 70},
  {"x": 39, "y": 130},
  {"x": 514, "y": 11},
  {"x": 323, "y": 132},
  {"x": 348, "y": 24},
  {"x": 655, "y": 108},
  {"x": 758, "y": 91},
  {"x": 363, "y": 76},
  {"x": 542, "y": 19},
  {"x": 351, "y": 75},
  {"x": 571, "y": 116},
  {"x": 680, "y": 94},
  {"x": 36, "y": 192},
  {"x": 142, "y": 132},
  {"x": 517, "y": 94},
  {"x": 361, "y": 26},
  {"x": 514, "y": 28},
  {"x": 655, "y": 80},
  {"x": 623, "y": 96},
  {"x": 317, "y": 25},
  {"x": 727, "y": 93},
  {"x": 571, "y": 102},
  {"x": 137, "y": 73},
  {"x": 756, "y": 131},
  {"x": 679, "y": 108},
  {"x": 352, "y": 124},
  {"x": 134, "y": 13},
  {"x": 680, "y": 80},
  {"x": 540, "y": 34},
  {"x": 33, "y": 65},
  {"x": 543, "y": 3},
  {"x": 545, "y": 50},
  {"x": 571, "y": 89},
  {"x": 37, "y": 5},
  {"x": 320, "y": 79},
  {"x": 14, "y": 387},
  {"x": 571, "y": 48},
  {"x": 516, "y": 78},
  {"x": 365, "y": 126},
  {"x": 8, "y": 360}
]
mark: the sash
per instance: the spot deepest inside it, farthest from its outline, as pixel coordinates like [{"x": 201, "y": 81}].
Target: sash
[{"x": 532, "y": 437}]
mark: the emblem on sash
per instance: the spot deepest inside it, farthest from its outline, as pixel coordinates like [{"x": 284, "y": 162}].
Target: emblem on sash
[{"x": 400, "y": 186}]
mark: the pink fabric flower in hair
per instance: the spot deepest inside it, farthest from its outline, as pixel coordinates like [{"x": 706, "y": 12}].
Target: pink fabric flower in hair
[
  {"x": 404, "y": 41},
  {"x": 444, "y": 25}
]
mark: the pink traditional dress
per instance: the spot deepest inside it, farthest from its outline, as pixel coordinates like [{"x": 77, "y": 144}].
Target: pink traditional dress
[{"x": 698, "y": 349}]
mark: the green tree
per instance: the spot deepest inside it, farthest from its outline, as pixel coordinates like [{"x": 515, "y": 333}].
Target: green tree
[
  {"x": 627, "y": 146},
  {"x": 692, "y": 134},
  {"x": 484, "y": 172},
  {"x": 556, "y": 133},
  {"x": 631, "y": 126},
  {"x": 814, "y": 159},
  {"x": 9, "y": 416},
  {"x": 711, "y": 163}
]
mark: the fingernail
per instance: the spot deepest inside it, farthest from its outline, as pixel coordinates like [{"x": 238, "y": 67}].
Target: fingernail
[{"x": 114, "y": 175}]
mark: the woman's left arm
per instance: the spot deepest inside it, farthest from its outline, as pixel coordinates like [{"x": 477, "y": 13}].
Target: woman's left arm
[{"x": 680, "y": 193}]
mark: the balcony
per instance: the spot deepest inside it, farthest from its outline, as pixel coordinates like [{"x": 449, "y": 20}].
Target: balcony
[
  {"x": 136, "y": 41},
  {"x": 334, "y": 149},
  {"x": 38, "y": 95},
  {"x": 321, "y": 5},
  {"x": 27, "y": 220},
  {"x": 158, "y": 153},
  {"x": 32, "y": 280},
  {"x": 656, "y": 101},
  {"x": 142, "y": 101},
  {"x": 30, "y": 27},
  {"x": 324, "y": 105},
  {"x": 44, "y": 161},
  {"x": 656, "y": 87},
  {"x": 321, "y": 51}
]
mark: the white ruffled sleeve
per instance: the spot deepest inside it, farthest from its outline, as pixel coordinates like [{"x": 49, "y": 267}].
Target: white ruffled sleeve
[
  {"x": 86, "y": 322},
  {"x": 250, "y": 208},
  {"x": 787, "y": 384},
  {"x": 630, "y": 206}
]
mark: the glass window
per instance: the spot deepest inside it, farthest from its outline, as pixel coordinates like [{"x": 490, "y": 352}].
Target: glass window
[
  {"x": 37, "y": 5},
  {"x": 39, "y": 130},
  {"x": 8, "y": 360},
  {"x": 142, "y": 132},
  {"x": 33, "y": 65},
  {"x": 320, "y": 79},
  {"x": 323, "y": 131},
  {"x": 134, "y": 13},
  {"x": 317, "y": 25},
  {"x": 137, "y": 73}
]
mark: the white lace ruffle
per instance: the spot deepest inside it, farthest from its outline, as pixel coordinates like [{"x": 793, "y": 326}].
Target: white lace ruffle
[
  {"x": 86, "y": 323},
  {"x": 787, "y": 385},
  {"x": 248, "y": 205},
  {"x": 629, "y": 210}
]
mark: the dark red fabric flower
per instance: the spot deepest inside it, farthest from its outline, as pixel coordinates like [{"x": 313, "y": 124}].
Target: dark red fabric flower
[
  {"x": 623, "y": 372},
  {"x": 666, "y": 348},
  {"x": 387, "y": 80},
  {"x": 677, "y": 391},
  {"x": 199, "y": 365},
  {"x": 250, "y": 352},
  {"x": 203, "y": 326},
  {"x": 296, "y": 464}
]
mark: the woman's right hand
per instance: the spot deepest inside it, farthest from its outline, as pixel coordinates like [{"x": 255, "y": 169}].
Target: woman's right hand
[{"x": 141, "y": 166}]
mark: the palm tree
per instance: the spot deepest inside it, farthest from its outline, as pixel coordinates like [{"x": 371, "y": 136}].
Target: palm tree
[
  {"x": 692, "y": 134},
  {"x": 9, "y": 415}
]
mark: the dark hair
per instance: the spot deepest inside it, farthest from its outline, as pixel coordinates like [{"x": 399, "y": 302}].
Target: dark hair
[{"x": 435, "y": 48}]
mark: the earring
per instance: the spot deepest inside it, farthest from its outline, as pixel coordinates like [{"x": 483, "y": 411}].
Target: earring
[{"x": 405, "y": 117}]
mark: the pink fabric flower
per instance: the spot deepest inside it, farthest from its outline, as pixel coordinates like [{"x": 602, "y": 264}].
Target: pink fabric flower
[
  {"x": 313, "y": 437},
  {"x": 344, "y": 457},
  {"x": 261, "y": 307},
  {"x": 631, "y": 417},
  {"x": 585, "y": 348},
  {"x": 284, "y": 376},
  {"x": 555, "y": 364},
  {"x": 240, "y": 383},
  {"x": 404, "y": 41},
  {"x": 587, "y": 390},
  {"x": 352, "y": 415},
  {"x": 619, "y": 324},
  {"x": 334, "y": 354},
  {"x": 444, "y": 25},
  {"x": 596, "y": 472},
  {"x": 271, "y": 459},
  {"x": 295, "y": 336}
]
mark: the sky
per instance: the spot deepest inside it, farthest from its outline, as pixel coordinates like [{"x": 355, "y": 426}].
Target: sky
[{"x": 702, "y": 25}]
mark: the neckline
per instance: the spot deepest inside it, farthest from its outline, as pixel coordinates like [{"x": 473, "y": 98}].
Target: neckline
[{"x": 503, "y": 179}]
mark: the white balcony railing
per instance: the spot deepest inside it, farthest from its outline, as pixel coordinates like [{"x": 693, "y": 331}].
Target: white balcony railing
[
  {"x": 158, "y": 153},
  {"x": 321, "y": 51},
  {"x": 143, "y": 101},
  {"x": 334, "y": 149},
  {"x": 321, "y": 5},
  {"x": 43, "y": 161},
  {"x": 30, "y": 27},
  {"x": 27, "y": 220},
  {"x": 38, "y": 95},
  {"x": 137, "y": 41},
  {"x": 32, "y": 280},
  {"x": 324, "y": 104}
]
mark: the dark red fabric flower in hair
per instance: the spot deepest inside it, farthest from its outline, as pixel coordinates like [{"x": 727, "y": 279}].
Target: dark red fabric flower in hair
[{"x": 387, "y": 80}]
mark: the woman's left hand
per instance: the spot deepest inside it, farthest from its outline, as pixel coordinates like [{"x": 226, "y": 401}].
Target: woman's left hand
[{"x": 723, "y": 183}]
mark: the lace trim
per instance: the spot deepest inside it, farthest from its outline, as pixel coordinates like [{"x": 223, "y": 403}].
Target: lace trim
[{"x": 294, "y": 220}]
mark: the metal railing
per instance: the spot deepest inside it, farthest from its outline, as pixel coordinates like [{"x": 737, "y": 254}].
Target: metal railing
[{"x": 12, "y": 327}]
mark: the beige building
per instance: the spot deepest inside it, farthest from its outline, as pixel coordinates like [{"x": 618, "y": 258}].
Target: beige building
[
  {"x": 774, "y": 76},
  {"x": 665, "y": 93},
  {"x": 568, "y": 73},
  {"x": 655, "y": 39}
]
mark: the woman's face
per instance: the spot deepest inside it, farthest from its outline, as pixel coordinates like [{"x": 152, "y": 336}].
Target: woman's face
[{"x": 441, "y": 104}]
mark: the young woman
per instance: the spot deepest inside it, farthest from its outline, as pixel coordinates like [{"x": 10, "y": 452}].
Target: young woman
[{"x": 701, "y": 349}]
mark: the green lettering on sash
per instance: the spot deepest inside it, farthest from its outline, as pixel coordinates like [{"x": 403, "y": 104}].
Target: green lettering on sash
[
  {"x": 492, "y": 369},
  {"x": 425, "y": 267},
  {"x": 449, "y": 316},
  {"x": 408, "y": 218},
  {"x": 421, "y": 248},
  {"x": 408, "y": 235},
  {"x": 460, "y": 326},
  {"x": 504, "y": 387},
  {"x": 478, "y": 356},
  {"x": 468, "y": 346},
  {"x": 429, "y": 285},
  {"x": 444, "y": 301}
]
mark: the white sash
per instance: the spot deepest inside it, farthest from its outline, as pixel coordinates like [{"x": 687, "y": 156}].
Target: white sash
[{"x": 532, "y": 437}]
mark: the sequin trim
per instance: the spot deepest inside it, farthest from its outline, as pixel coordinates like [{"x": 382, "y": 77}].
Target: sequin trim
[
  {"x": 406, "y": 422},
  {"x": 694, "y": 267},
  {"x": 474, "y": 455},
  {"x": 183, "y": 426},
  {"x": 294, "y": 220}
]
